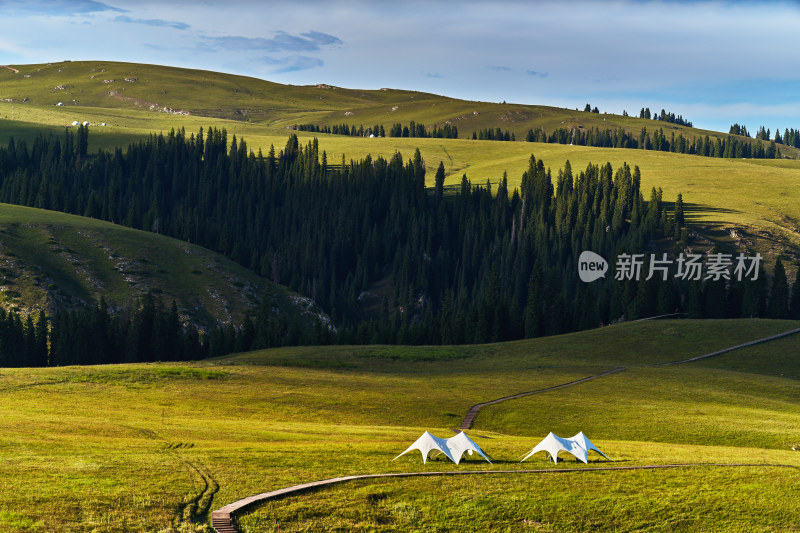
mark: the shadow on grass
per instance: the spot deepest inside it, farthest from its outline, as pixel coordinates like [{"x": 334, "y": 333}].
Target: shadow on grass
[{"x": 693, "y": 212}]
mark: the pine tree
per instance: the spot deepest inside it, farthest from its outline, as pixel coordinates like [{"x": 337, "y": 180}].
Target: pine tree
[
  {"x": 41, "y": 340},
  {"x": 679, "y": 216},
  {"x": 439, "y": 183},
  {"x": 778, "y": 305},
  {"x": 794, "y": 305}
]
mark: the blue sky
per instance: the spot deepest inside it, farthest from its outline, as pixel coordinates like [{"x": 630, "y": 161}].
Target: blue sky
[{"x": 715, "y": 63}]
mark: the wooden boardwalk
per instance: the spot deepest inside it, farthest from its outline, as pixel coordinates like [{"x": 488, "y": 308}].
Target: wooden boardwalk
[{"x": 222, "y": 519}]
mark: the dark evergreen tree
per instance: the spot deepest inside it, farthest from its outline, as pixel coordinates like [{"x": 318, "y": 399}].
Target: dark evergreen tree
[
  {"x": 679, "y": 217},
  {"x": 439, "y": 183},
  {"x": 794, "y": 305},
  {"x": 779, "y": 293}
]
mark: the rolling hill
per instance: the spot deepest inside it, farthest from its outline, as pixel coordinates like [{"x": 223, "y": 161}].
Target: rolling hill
[
  {"x": 52, "y": 260},
  {"x": 197, "y": 93},
  {"x": 752, "y": 203}
]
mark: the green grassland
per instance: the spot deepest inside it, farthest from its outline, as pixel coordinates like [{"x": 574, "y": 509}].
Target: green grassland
[
  {"x": 662, "y": 500},
  {"x": 50, "y": 259},
  {"x": 154, "y": 447},
  {"x": 98, "y": 91},
  {"x": 168, "y": 90}
]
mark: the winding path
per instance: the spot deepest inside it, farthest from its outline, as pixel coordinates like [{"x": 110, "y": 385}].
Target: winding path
[
  {"x": 473, "y": 411},
  {"x": 12, "y": 69},
  {"x": 222, "y": 519},
  {"x": 732, "y": 348}
]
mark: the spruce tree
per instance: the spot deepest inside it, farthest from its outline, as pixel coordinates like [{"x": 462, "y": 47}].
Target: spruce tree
[
  {"x": 778, "y": 306},
  {"x": 794, "y": 305},
  {"x": 679, "y": 216},
  {"x": 439, "y": 183}
]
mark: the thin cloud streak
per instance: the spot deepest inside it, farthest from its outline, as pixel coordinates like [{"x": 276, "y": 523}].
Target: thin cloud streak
[
  {"x": 293, "y": 63},
  {"x": 57, "y": 7},
  {"x": 535, "y": 73},
  {"x": 152, "y": 22},
  {"x": 282, "y": 42}
]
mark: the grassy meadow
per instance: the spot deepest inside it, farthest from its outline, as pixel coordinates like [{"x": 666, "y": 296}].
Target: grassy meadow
[
  {"x": 155, "y": 447},
  {"x": 756, "y": 499}
]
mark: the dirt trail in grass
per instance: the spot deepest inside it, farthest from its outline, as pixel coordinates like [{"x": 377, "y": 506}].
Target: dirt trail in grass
[
  {"x": 473, "y": 411},
  {"x": 223, "y": 522},
  {"x": 12, "y": 69},
  {"x": 195, "y": 507}
]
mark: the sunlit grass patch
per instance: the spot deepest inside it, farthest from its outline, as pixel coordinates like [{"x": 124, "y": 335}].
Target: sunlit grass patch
[
  {"x": 130, "y": 447},
  {"x": 692, "y": 499}
]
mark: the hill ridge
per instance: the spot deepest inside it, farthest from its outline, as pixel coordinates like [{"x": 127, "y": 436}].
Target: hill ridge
[{"x": 247, "y": 98}]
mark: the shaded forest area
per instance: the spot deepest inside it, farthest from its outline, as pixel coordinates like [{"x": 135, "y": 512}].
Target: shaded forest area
[{"x": 478, "y": 263}]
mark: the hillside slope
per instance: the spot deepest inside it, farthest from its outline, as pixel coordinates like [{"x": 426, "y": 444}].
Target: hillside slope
[
  {"x": 178, "y": 91},
  {"x": 51, "y": 260}
]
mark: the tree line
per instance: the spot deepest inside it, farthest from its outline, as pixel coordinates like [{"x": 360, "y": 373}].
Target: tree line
[
  {"x": 343, "y": 129},
  {"x": 145, "y": 331},
  {"x": 413, "y": 129},
  {"x": 729, "y": 147},
  {"x": 417, "y": 129},
  {"x": 790, "y": 137},
  {"x": 480, "y": 263},
  {"x": 664, "y": 116},
  {"x": 496, "y": 134}
]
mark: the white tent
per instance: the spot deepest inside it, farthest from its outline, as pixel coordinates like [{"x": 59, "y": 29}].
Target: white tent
[
  {"x": 461, "y": 443},
  {"x": 429, "y": 443},
  {"x": 584, "y": 442},
  {"x": 553, "y": 444}
]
